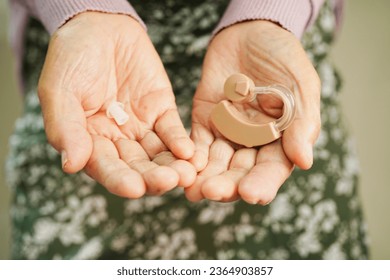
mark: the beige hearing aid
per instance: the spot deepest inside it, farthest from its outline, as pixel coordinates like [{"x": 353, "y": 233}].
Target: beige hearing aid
[{"x": 236, "y": 127}]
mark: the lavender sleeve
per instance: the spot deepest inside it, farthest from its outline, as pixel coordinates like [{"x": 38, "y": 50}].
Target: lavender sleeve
[
  {"x": 54, "y": 13},
  {"x": 293, "y": 15}
]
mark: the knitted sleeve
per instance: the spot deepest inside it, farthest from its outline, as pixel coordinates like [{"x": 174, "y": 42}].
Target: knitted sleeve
[
  {"x": 54, "y": 13},
  {"x": 293, "y": 15}
]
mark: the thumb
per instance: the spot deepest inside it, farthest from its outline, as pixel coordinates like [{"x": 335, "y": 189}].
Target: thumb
[
  {"x": 65, "y": 126},
  {"x": 298, "y": 141},
  {"x": 299, "y": 138}
]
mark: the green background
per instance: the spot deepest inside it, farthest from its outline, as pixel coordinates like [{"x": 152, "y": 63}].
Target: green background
[{"x": 363, "y": 56}]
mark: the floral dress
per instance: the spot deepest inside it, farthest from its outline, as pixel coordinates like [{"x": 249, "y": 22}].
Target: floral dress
[{"x": 316, "y": 214}]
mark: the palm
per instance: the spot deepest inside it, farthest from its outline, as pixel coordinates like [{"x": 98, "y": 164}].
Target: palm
[
  {"x": 264, "y": 52},
  {"x": 117, "y": 63}
]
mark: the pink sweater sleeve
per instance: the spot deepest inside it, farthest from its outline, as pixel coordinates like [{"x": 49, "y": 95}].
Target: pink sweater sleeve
[
  {"x": 293, "y": 15},
  {"x": 54, "y": 13}
]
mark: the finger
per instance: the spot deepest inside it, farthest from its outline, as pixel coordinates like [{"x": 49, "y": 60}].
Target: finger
[
  {"x": 186, "y": 171},
  {"x": 263, "y": 181},
  {"x": 105, "y": 167},
  {"x": 158, "y": 179},
  {"x": 299, "y": 138},
  {"x": 224, "y": 187},
  {"x": 99, "y": 124},
  {"x": 244, "y": 158},
  {"x": 193, "y": 193},
  {"x": 298, "y": 141},
  {"x": 170, "y": 129},
  {"x": 203, "y": 139},
  {"x": 65, "y": 127},
  {"x": 152, "y": 144},
  {"x": 220, "y": 155},
  {"x": 158, "y": 152}
]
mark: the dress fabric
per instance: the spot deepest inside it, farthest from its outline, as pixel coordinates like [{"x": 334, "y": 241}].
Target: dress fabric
[{"x": 316, "y": 214}]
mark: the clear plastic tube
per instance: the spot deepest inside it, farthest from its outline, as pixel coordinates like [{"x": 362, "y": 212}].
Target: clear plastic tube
[{"x": 287, "y": 97}]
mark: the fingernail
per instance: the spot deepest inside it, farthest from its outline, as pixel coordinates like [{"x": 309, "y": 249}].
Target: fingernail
[{"x": 64, "y": 159}]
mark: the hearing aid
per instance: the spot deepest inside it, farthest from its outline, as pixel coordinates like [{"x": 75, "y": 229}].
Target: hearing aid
[
  {"x": 117, "y": 112},
  {"x": 237, "y": 128}
]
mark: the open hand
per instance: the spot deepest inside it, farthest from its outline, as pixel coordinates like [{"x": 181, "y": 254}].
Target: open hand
[
  {"x": 268, "y": 55},
  {"x": 93, "y": 60}
]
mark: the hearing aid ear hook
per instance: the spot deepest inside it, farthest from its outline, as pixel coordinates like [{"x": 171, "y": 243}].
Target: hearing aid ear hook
[{"x": 235, "y": 127}]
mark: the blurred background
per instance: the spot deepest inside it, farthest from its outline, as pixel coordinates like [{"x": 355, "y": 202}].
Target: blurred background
[{"x": 362, "y": 53}]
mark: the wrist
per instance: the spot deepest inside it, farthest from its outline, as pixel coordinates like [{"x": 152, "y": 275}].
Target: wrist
[
  {"x": 248, "y": 30},
  {"x": 292, "y": 15},
  {"x": 91, "y": 25}
]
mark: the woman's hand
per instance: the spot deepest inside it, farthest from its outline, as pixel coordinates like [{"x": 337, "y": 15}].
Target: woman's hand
[
  {"x": 268, "y": 54},
  {"x": 93, "y": 60}
]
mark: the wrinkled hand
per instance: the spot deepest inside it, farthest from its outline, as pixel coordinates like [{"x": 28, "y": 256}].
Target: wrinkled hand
[
  {"x": 268, "y": 54},
  {"x": 93, "y": 60}
]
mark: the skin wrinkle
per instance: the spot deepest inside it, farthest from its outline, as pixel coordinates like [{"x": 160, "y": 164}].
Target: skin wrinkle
[
  {"x": 113, "y": 180},
  {"x": 187, "y": 174},
  {"x": 132, "y": 128},
  {"x": 282, "y": 162},
  {"x": 145, "y": 124},
  {"x": 218, "y": 146},
  {"x": 173, "y": 135},
  {"x": 164, "y": 157},
  {"x": 165, "y": 114},
  {"x": 139, "y": 159},
  {"x": 261, "y": 58},
  {"x": 201, "y": 120},
  {"x": 87, "y": 86},
  {"x": 301, "y": 104},
  {"x": 154, "y": 118},
  {"x": 54, "y": 137},
  {"x": 260, "y": 64},
  {"x": 243, "y": 159},
  {"x": 150, "y": 171},
  {"x": 151, "y": 148},
  {"x": 124, "y": 55},
  {"x": 227, "y": 58},
  {"x": 109, "y": 130},
  {"x": 128, "y": 68},
  {"x": 297, "y": 84},
  {"x": 141, "y": 165}
]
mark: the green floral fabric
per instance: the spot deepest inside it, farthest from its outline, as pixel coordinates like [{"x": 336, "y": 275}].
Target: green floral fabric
[{"x": 316, "y": 215}]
